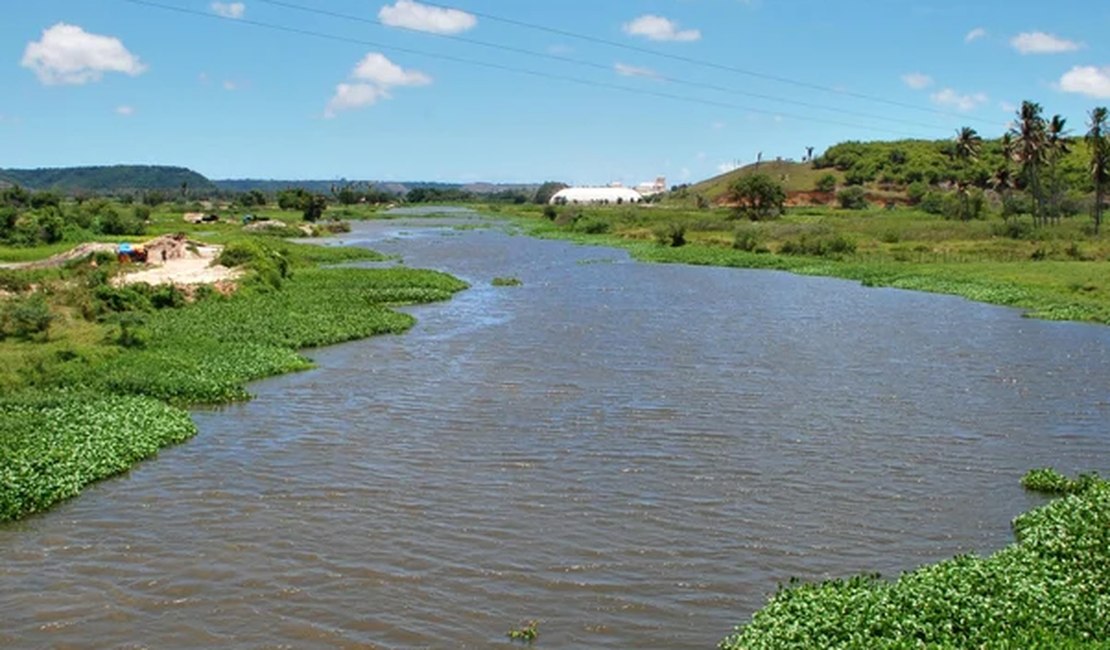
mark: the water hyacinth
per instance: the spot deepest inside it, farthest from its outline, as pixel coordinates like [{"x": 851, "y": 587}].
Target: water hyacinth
[{"x": 1050, "y": 589}]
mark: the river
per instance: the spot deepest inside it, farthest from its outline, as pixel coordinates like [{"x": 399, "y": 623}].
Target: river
[{"x": 634, "y": 455}]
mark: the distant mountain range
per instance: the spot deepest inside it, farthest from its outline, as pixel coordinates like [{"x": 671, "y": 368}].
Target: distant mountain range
[{"x": 119, "y": 179}]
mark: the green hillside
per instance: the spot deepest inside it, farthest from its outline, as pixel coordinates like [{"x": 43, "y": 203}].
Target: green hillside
[
  {"x": 107, "y": 180},
  {"x": 893, "y": 166}
]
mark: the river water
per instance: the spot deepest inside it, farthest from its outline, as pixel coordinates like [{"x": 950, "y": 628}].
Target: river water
[{"x": 634, "y": 455}]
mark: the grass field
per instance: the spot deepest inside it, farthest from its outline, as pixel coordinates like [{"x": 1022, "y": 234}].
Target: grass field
[{"x": 1057, "y": 272}]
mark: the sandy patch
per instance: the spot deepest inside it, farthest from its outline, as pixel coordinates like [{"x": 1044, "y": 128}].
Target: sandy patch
[{"x": 195, "y": 267}]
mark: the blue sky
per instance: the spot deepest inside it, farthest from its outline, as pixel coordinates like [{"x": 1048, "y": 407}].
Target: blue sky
[{"x": 111, "y": 81}]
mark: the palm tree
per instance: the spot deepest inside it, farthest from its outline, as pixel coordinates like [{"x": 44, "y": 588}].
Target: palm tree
[
  {"x": 1029, "y": 134},
  {"x": 1058, "y": 141},
  {"x": 968, "y": 147},
  {"x": 1003, "y": 179},
  {"x": 1098, "y": 142}
]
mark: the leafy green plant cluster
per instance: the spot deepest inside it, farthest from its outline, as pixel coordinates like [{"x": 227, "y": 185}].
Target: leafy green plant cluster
[
  {"x": 54, "y": 443},
  {"x": 671, "y": 234},
  {"x": 819, "y": 245},
  {"x": 1049, "y": 481},
  {"x": 1050, "y": 589},
  {"x": 206, "y": 352},
  {"x": 25, "y": 317},
  {"x": 525, "y": 634},
  {"x": 506, "y": 282}
]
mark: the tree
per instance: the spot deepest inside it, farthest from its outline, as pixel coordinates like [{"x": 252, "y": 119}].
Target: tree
[
  {"x": 968, "y": 147},
  {"x": 294, "y": 198},
  {"x": 1030, "y": 136},
  {"x": 1058, "y": 144},
  {"x": 1098, "y": 143},
  {"x": 314, "y": 208},
  {"x": 547, "y": 191},
  {"x": 757, "y": 196}
]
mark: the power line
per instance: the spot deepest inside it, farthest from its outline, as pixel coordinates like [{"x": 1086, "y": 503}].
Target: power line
[
  {"x": 599, "y": 66},
  {"x": 707, "y": 64},
  {"x": 505, "y": 68}
]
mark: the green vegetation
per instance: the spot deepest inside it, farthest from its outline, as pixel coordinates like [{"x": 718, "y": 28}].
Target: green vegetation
[
  {"x": 757, "y": 197},
  {"x": 526, "y": 634},
  {"x": 54, "y": 443},
  {"x": 1047, "y": 590},
  {"x": 89, "y": 370},
  {"x": 1049, "y": 481},
  {"x": 114, "y": 179},
  {"x": 506, "y": 282}
]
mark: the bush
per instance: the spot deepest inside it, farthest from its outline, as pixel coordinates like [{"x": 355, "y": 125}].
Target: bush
[
  {"x": 671, "y": 234},
  {"x": 826, "y": 183},
  {"x": 932, "y": 203},
  {"x": 747, "y": 239},
  {"x": 916, "y": 192},
  {"x": 26, "y": 317},
  {"x": 833, "y": 245},
  {"x": 549, "y": 212},
  {"x": 852, "y": 198},
  {"x": 591, "y": 226},
  {"x": 113, "y": 223}
]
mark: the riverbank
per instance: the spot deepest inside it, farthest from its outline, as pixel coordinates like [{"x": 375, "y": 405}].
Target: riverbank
[
  {"x": 1047, "y": 590},
  {"x": 1056, "y": 273},
  {"x": 87, "y": 399}
]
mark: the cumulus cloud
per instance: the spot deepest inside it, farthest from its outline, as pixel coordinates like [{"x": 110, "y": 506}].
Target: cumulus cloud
[
  {"x": 727, "y": 167},
  {"x": 425, "y": 18},
  {"x": 952, "y": 99},
  {"x": 68, "y": 54},
  {"x": 1087, "y": 80},
  {"x": 1042, "y": 43},
  {"x": 658, "y": 28},
  {"x": 633, "y": 71},
  {"x": 1007, "y": 106},
  {"x": 125, "y": 111},
  {"x": 229, "y": 9},
  {"x": 378, "y": 69},
  {"x": 975, "y": 34},
  {"x": 917, "y": 81},
  {"x": 373, "y": 77}
]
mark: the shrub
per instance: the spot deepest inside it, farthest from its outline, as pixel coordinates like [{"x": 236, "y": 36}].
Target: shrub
[
  {"x": 132, "y": 297},
  {"x": 826, "y": 183},
  {"x": 852, "y": 198},
  {"x": 506, "y": 282},
  {"x": 916, "y": 192},
  {"x": 932, "y": 202},
  {"x": 113, "y": 223},
  {"x": 27, "y": 317},
  {"x": 549, "y": 212},
  {"x": 833, "y": 245},
  {"x": 671, "y": 234},
  {"x": 591, "y": 226},
  {"x": 746, "y": 239}
]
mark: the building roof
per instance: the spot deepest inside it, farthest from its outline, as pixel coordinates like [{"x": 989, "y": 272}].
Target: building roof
[{"x": 597, "y": 195}]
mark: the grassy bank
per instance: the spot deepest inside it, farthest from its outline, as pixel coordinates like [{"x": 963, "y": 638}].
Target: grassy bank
[
  {"x": 1050, "y": 589},
  {"x": 1057, "y": 273},
  {"x": 98, "y": 387}
]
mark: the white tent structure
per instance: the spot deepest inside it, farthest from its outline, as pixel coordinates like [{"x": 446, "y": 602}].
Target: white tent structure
[{"x": 596, "y": 195}]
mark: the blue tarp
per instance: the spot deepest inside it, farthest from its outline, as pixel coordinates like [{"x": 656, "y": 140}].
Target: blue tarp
[{"x": 124, "y": 248}]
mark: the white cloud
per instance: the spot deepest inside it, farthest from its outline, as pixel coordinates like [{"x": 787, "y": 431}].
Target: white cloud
[
  {"x": 975, "y": 34},
  {"x": 229, "y": 85},
  {"x": 68, "y": 54},
  {"x": 125, "y": 111},
  {"x": 951, "y": 98},
  {"x": 378, "y": 69},
  {"x": 1042, "y": 43},
  {"x": 727, "y": 167},
  {"x": 425, "y": 18},
  {"x": 229, "y": 9},
  {"x": 633, "y": 71},
  {"x": 917, "y": 81},
  {"x": 684, "y": 173},
  {"x": 658, "y": 28},
  {"x": 202, "y": 77},
  {"x": 717, "y": 126},
  {"x": 1007, "y": 106},
  {"x": 1087, "y": 80},
  {"x": 373, "y": 78},
  {"x": 349, "y": 96}
]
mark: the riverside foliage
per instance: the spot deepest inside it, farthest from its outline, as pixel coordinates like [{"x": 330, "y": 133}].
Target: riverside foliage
[
  {"x": 1050, "y": 589},
  {"x": 91, "y": 399}
]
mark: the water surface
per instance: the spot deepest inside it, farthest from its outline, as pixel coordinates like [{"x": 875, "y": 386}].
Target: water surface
[{"x": 635, "y": 455}]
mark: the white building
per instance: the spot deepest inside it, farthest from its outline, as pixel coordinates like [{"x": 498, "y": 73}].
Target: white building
[
  {"x": 596, "y": 195},
  {"x": 658, "y": 186}
]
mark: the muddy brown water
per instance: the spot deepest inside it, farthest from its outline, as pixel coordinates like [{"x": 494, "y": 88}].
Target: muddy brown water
[{"x": 634, "y": 455}]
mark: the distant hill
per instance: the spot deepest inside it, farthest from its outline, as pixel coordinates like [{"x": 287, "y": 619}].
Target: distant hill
[
  {"x": 395, "y": 187},
  {"x": 795, "y": 177},
  {"x": 107, "y": 180}
]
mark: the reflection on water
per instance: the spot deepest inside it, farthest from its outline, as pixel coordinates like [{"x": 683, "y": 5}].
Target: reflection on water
[{"x": 633, "y": 454}]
